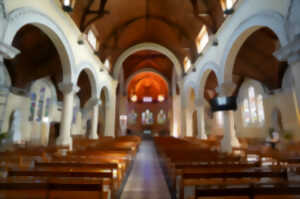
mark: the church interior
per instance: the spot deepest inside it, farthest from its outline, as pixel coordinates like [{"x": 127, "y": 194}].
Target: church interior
[{"x": 149, "y": 99}]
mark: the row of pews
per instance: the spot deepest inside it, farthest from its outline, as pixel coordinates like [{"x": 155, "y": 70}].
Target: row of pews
[
  {"x": 93, "y": 169},
  {"x": 196, "y": 169}
]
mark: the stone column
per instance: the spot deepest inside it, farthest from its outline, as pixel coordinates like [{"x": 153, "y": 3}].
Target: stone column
[
  {"x": 189, "y": 121},
  {"x": 201, "y": 122},
  {"x": 229, "y": 139},
  {"x": 183, "y": 115},
  {"x": 94, "y": 129},
  {"x": 68, "y": 90},
  {"x": 110, "y": 111},
  {"x": 176, "y": 115}
]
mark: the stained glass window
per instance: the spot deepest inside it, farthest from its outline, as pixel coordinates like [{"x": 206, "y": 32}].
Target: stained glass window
[
  {"x": 41, "y": 104},
  {"x": 246, "y": 112},
  {"x": 252, "y": 105},
  {"x": 32, "y": 106},
  {"x": 47, "y": 107},
  {"x": 260, "y": 108},
  {"x": 253, "y": 109}
]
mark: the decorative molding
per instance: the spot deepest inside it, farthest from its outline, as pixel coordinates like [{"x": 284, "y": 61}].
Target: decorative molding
[
  {"x": 2, "y": 9},
  {"x": 67, "y": 88},
  {"x": 7, "y": 51},
  {"x": 290, "y": 52}
]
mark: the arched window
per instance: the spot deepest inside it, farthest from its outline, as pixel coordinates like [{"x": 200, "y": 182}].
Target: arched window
[
  {"x": 202, "y": 39},
  {"x": 260, "y": 108},
  {"x": 253, "y": 109},
  {"x": 32, "y": 106},
  {"x": 252, "y": 104},
  {"x": 246, "y": 113},
  {"x": 41, "y": 104},
  {"x": 187, "y": 64}
]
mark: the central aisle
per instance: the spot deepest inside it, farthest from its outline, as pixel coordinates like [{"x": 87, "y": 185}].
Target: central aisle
[{"x": 146, "y": 179}]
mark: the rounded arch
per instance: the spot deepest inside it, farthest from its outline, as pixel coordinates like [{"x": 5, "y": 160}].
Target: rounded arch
[
  {"x": 150, "y": 70},
  {"x": 146, "y": 46},
  {"x": 28, "y": 16},
  {"x": 202, "y": 76},
  {"x": 93, "y": 78},
  {"x": 105, "y": 90},
  {"x": 270, "y": 19}
]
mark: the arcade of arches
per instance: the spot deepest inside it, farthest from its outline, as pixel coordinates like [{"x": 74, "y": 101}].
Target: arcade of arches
[{"x": 149, "y": 80}]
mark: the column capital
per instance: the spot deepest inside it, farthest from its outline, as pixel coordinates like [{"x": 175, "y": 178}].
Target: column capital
[
  {"x": 114, "y": 83},
  {"x": 7, "y": 51},
  {"x": 95, "y": 101},
  {"x": 226, "y": 89},
  {"x": 68, "y": 88},
  {"x": 290, "y": 52}
]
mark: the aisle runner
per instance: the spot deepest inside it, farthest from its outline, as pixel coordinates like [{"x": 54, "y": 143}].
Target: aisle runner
[{"x": 146, "y": 180}]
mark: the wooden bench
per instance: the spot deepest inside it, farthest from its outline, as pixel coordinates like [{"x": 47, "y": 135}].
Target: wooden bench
[
  {"x": 249, "y": 190},
  {"x": 26, "y": 188},
  {"x": 194, "y": 178}
]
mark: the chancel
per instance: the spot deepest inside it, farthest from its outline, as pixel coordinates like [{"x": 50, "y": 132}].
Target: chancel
[{"x": 149, "y": 99}]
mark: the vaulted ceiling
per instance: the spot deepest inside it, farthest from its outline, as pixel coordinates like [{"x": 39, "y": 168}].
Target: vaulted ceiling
[{"x": 172, "y": 23}]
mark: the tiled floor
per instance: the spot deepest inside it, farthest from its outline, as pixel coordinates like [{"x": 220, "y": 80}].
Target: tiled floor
[{"x": 146, "y": 179}]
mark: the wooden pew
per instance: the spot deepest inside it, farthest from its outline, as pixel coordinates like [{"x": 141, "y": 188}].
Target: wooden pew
[
  {"x": 250, "y": 190},
  {"x": 111, "y": 167},
  {"x": 253, "y": 174},
  {"x": 66, "y": 173},
  {"x": 26, "y": 188}
]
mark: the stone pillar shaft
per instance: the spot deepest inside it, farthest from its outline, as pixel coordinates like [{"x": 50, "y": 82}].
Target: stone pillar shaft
[
  {"x": 229, "y": 140},
  {"x": 201, "y": 123},
  {"x": 69, "y": 91},
  {"x": 94, "y": 130}
]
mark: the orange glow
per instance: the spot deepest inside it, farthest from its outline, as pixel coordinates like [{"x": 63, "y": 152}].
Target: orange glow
[{"x": 147, "y": 84}]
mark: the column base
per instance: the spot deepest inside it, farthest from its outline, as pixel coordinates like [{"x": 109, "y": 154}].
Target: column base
[
  {"x": 94, "y": 137},
  {"x": 64, "y": 141},
  {"x": 202, "y": 136},
  {"x": 227, "y": 144}
]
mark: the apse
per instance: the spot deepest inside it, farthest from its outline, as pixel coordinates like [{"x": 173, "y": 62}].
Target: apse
[{"x": 147, "y": 86}]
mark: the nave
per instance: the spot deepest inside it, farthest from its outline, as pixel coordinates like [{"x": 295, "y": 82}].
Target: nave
[{"x": 213, "y": 84}]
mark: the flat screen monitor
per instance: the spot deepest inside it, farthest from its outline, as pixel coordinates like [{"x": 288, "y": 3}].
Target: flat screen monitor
[{"x": 223, "y": 103}]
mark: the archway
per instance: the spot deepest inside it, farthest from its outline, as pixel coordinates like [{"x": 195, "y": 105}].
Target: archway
[
  {"x": 265, "y": 20},
  {"x": 208, "y": 122},
  {"x": 256, "y": 63},
  {"x": 39, "y": 58},
  {"x": 87, "y": 85}
]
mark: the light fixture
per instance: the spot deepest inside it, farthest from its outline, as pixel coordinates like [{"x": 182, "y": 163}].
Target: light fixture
[
  {"x": 229, "y": 11},
  {"x": 68, "y": 5},
  {"x": 133, "y": 98},
  {"x": 161, "y": 98},
  {"x": 229, "y": 7}
]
